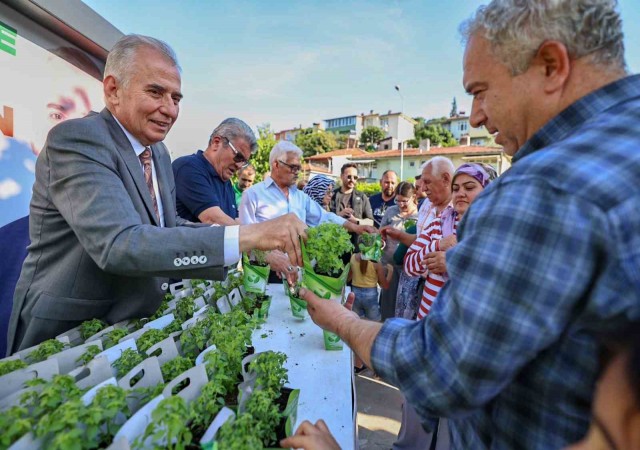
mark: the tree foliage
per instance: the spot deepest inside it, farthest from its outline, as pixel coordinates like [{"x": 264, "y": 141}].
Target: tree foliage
[
  {"x": 370, "y": 136},
  {"x": 266, "y": 141},
  {"x": 313, "y": 141},
  {"x": 439, "y": 136}
]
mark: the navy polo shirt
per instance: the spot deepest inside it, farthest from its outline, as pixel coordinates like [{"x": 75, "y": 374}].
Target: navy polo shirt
[
  {"x": 379, "y": 207},
  {"x": 199, "y": 187}
]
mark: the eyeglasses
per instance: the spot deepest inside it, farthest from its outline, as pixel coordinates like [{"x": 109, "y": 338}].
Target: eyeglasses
[
  {"x": 237, "y": 156},
  {"x": 293, "y": 167},
  {"x": 401, "y": 202}
]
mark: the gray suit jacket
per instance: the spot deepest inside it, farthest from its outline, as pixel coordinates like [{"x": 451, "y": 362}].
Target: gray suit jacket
[{"x": 96, "y": 248}]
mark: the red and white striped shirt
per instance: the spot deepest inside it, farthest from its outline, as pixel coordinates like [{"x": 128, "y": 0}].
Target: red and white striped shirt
[{"x": 428, "y": 241}]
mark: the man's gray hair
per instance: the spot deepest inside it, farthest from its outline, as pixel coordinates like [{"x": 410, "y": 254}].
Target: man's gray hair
[
  {"x": 281, "y": 149},
  {"x": 439, "y": 165},
  {"x": 517, "y": 28},
  {"x": 121, "y": 59},
  {"x": 232, "y": 128}
]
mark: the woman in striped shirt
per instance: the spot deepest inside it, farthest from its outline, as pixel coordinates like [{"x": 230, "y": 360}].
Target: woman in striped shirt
[{"x": 425, "y": 257}]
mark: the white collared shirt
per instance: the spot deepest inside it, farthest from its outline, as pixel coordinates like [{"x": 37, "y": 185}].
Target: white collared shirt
[
  {"x": 265, "y": 200},
  {"x": 138, "y": 148}
]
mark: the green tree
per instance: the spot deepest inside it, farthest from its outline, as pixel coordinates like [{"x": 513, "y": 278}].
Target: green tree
[
  {"x": 266, "y": 141},
  {"x": 370, "y": 136},
  {"x": 454, "y": 108},
  {"x": 342, "y": 140},
  {"x": 439, "y": 136},
  {"x": 313, "y": 141}
]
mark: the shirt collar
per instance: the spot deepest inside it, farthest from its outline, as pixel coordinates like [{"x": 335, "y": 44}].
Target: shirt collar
[
  {"x": 579, "y": 112},
  {"x": 138, "y": 148},
  {"x": 208, "y": 166}
]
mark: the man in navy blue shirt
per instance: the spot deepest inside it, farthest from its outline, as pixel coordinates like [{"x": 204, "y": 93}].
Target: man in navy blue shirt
[
  {"x": 204, "y": 192},
  {"x": 386, "y": 198}
]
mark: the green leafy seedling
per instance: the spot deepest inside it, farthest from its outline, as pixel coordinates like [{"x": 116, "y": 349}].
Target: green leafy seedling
[
  {"x": 326, "y": 244},
  {"x": 90, "y": 327},
  {"x": 46, "y": 349},
  {"x": 10, "y": 366},
  {"x": 88, "y": 354}
]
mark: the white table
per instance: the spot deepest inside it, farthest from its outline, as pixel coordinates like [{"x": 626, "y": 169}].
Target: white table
[{"x": 325, "y": 378}]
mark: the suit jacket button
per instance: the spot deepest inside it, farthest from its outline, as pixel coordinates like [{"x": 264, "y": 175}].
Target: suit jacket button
[
  {"x": 202, "y": 259},
  {"x": 186, "y": 261},
  {"x": 177, "y": 262},
  {"x": 194, "y": 260}
]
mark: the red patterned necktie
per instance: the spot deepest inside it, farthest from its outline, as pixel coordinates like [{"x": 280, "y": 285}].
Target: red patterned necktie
[{"x": 145, "y": 159}]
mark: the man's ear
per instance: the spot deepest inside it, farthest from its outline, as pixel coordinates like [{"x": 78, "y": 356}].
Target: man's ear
[
  {"x": 446, "y": 178},
  {"x": 110, "y": 87},
  {"x": 554, "y": 61},
  {"x": 215, "y": 143}
]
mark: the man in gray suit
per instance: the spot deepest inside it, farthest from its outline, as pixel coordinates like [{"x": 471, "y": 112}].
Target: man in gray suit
[{"x": 103, "y": 224}]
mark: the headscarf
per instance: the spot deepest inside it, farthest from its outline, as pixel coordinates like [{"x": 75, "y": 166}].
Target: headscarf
[
  {"x": 317, "y": 187},
  {"x": 483, "y": 173}
]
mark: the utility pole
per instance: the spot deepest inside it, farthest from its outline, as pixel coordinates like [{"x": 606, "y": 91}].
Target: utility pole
[{"x": 401, "y": 143}]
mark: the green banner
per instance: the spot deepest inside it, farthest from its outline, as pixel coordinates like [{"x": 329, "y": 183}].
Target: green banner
[{"x": 8, "y": 39}]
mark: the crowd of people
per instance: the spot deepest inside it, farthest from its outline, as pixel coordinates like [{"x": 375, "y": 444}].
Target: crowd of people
[{"x": 495, "y": 297}]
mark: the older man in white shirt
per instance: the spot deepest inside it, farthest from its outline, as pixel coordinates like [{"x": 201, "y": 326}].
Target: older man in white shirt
[{"x": 278, "y": 195}]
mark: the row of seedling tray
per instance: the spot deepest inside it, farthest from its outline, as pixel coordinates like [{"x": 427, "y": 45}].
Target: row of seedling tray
[{"x": 185, "y": 378}]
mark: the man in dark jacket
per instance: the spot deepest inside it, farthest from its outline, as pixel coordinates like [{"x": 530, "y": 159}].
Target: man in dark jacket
[
  {"x": 346, "y": 200},
  {"x": 350, "y": 203}
]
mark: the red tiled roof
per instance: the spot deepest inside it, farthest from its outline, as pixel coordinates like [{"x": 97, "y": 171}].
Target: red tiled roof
[
  {"x": 466, "y": 149},
  {"x": 340, "y": 152},
  {"x": 308, "y": 167}
]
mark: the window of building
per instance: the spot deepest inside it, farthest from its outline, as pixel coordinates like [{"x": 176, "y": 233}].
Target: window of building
[{"x": 412, "y": 164}]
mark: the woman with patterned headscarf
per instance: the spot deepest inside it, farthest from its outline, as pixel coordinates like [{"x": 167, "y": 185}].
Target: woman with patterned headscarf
[
  {"x": 468, "y": 181},
  {"x": 319, "y": 189}
]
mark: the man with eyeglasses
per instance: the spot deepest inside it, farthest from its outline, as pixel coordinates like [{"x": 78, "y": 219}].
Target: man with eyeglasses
[
  {"x": 105, "y": 237},
  {"x": 278, "y": 195},
  {"x": 204, "y": 192}
]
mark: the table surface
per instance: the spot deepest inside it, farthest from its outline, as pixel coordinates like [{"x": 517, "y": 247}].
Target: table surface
[{"x": 325, "y": 378}]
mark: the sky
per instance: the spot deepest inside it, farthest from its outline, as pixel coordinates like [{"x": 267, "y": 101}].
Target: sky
[{"x": 292, "y": 63}]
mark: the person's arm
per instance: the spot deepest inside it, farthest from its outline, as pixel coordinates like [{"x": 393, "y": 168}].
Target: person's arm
[
  {"x": 87, "y": 186},
  {"x": 399, "y": 235},
  {"x": 248, "y": 206},
  {"x": 384, "y": 279},
  {"x": 317, "y": 215},
  {"x": 413, "y": 260},
  {"x": 520, "y": 292},
  {"x": 359, "y": 229},
  {"x": 195, "y": 191},
  {"x": 215, "y": 215},
  {"x": 282, "y": 233},
  {"x": 311, "y": 437}
]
